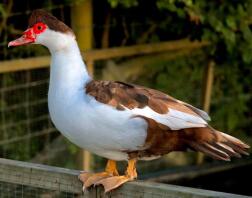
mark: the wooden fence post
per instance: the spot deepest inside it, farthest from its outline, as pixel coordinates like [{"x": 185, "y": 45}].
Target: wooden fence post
[
  {"x": 82, "y": 24},
  {"x": 207, "y": 91}
]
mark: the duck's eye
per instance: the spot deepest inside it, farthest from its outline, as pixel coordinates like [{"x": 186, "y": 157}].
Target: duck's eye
[{"x": 39, "y": 28}]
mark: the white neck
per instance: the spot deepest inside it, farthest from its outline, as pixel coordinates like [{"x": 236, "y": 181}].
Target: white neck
[{"x": 68, "y": 71}]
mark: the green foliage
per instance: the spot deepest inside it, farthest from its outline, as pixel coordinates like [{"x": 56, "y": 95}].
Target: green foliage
[
  {"x": 230, "y": 101},
  {"x": 181, "y": 78},
  {"x": 124, "y": 3},
  {"x": 224, "y": 23},
  {"x": 2, "y": 10}
]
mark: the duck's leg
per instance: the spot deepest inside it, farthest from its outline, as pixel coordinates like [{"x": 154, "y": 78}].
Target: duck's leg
[
  {"x": 111, "y": 183},
  {"x": 90, "y": 179}
]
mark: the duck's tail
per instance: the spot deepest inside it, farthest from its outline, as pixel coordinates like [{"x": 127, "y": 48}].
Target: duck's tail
[{"x": 215, "y": 144}]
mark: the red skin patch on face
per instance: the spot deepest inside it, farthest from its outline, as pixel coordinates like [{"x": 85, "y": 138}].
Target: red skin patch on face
[
  {"x": 39, "y": 28},
  {"x": 31, "y": 33}
]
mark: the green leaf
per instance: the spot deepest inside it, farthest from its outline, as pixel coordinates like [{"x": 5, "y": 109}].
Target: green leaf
[
  {"x": 124, "y": 3},
  {"x": 247, "y": 34},
  {"x": 246, "y": 56},
  {"x": 230, "y": 20},
  {"x": 2, "y": 10},
  {"x": 113, "y": 3}
]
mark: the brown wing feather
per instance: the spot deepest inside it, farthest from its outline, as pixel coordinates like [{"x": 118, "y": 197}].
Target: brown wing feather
[{"x": 120, "y": 95}]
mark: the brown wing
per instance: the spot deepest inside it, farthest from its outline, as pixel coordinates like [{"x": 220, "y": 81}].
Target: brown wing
[{"x": 122, "y": 95}]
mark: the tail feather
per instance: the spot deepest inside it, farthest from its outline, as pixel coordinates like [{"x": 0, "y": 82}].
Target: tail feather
[
  {"x": 234, "y": 140},
  {"x": 216, "y": 144},
  {"x": 211, "y": 151},
  {"x": 227, "y": 149},
  {"x": 237, "y": 148}
]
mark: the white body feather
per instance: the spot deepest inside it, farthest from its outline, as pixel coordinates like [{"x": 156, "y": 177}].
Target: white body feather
[{"x": 94, "y": 126}]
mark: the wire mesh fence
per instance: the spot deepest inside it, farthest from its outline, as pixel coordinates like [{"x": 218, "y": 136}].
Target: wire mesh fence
[
  {"x": 25, "y": 124},
  {"x": 22, "y": 180},
  {"x": 10, "y": 190}
]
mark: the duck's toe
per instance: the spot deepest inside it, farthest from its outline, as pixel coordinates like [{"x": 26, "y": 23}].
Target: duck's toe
[{"x": 114, "y": 182}]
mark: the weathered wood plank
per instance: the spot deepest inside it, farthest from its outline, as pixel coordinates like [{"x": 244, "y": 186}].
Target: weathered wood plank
[
  {"x": 142, "y": 49},
  {"x": 24, "y": 64},
  {"x": 102, "y": 54},
  {"x": 37, "y": 175},
  {"x": 65, "y": 180}
]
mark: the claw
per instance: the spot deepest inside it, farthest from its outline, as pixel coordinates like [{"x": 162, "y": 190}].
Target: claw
[{"x": 84, "y": 189}]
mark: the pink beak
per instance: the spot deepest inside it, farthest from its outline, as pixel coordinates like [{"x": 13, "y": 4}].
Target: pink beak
[{"x": 27, "y": 38}]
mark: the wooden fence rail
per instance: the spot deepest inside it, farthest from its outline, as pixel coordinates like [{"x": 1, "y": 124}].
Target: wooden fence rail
[
  {"x": 102, "y": 54},
  {"x": 25, "y": 175}
]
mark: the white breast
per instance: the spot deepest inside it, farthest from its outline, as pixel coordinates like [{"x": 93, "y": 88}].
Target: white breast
[{"x": 99, "y": 128}]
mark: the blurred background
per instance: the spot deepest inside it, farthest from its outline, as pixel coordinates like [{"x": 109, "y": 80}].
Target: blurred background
[{"x": 197, "y": 51}]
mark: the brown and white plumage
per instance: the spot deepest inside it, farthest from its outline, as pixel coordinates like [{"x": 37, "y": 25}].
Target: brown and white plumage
[
  {"x": 116, "y": 120},
  {"x": 161, "y": 139}
]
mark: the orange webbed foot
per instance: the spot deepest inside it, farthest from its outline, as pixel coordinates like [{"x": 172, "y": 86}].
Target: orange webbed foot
[
  {"x": 94, "y": 178},
  {"x": 90, "y": 179},
  {"x": 110, "y": 178},
  {"x": 114, "y": 182}
]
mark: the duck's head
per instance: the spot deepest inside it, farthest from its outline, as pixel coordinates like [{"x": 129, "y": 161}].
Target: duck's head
[{"x": 46, "y": 30}]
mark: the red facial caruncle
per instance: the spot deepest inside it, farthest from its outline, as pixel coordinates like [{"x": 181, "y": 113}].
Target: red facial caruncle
[{"x": 29, "y": 36}]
